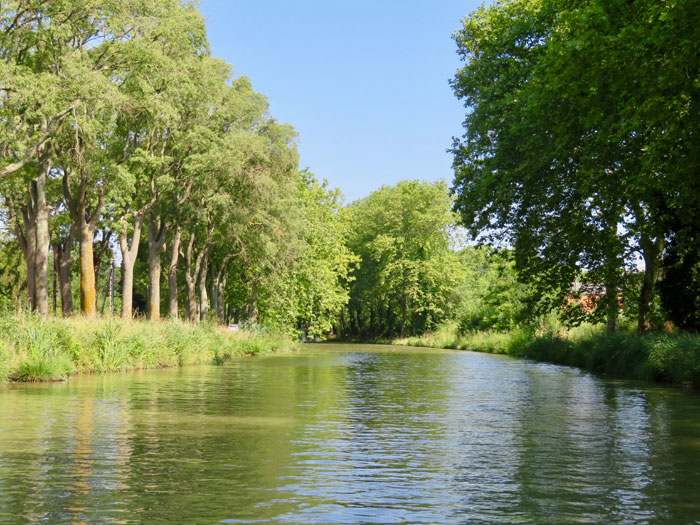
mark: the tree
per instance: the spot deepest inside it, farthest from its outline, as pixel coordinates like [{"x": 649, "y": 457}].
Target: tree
[
  {"x": 555, "y": 158},
  {"x": 402, "y": 236}
]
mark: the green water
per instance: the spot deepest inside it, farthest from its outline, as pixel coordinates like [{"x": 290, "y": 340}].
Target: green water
[{"x": 350, "y": 434}]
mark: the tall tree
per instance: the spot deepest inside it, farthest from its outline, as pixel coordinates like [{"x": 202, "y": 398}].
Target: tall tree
[
  {"x": 555, "y": 157},
  {"x": 402, "y": 235}
]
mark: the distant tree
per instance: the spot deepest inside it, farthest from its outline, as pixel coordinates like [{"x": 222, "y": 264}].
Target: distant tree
[{"x": 407, "y": 270}]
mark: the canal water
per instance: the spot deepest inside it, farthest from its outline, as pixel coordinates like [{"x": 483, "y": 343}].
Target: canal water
[{"x": 350, "y": 434}]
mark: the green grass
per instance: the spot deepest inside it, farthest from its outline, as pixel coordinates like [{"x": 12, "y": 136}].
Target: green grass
[
  {"x": 37, "y": 349},
  {"x": 667, "y": 357}
]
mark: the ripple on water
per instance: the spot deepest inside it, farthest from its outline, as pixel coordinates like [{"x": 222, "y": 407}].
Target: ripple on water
[{"x": 350, "y": 435}]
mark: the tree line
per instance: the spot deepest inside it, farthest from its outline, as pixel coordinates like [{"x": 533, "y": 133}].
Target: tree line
[
  {"x": 577, "y": 174},
  {"x": 119, "y": 128}
]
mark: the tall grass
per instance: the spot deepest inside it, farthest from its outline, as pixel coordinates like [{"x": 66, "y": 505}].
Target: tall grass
[
  {"x": 37, "y": 349},
  {"x": 667, "y": 357}
]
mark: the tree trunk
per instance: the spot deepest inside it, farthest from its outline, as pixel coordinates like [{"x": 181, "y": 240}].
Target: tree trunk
[
  {"x": 55, "y": 283},
  {"x": 172, "y": 274},
  {"x": 652, "y": 249},
  {"x": 88, "y": 296},
  {"x": 129, "y": 255},
  {"x": 100, "y": 248},
  {"x": 611, "y": 308},
  {"x": 190, "y": 282},
  {"x": 203, "y": 300},
  {"x": 85, "y": 224},
  {"x": 27, "y": 241},
  {"x": 404, "y": 308},
  {"x": 252, "y": 306},
  {"x": 220, "y": 304},
  {"x": 154, "y": 285},
  {"x": 214, "y": 293},
  {"x": 63, "y": 261},
  {"x": 612, "y": 305},
  {"x": 157, "y": 231},
  {"x": 41, "y": 261}
]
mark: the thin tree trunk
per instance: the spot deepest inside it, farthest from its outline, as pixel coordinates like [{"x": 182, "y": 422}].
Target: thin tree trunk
[
  {"x": 26, "y": 237},
  {"x": 203, "y": 300},
  {"x": 611, "y": 302},
  {"x": 157, "y": 231},
  {"x": 129, "y": 255},
  {"x": 63, "y": 261},
  {"x": 27, "y": 241},
  {"x": 214, "y": 293},
  {"x": 218, "y": 288},
  {"x": 220, "y": 305},
  {"x": 190, "y": 281},
  {"x": 55, "y": 283},
  {"x": 172, "y": 273},
  {"x": 100, "y": 250},
  {"x": 253, "y": 306},
  {"x": 404, "y": 308},
  {"x": 41, "y": 261}
]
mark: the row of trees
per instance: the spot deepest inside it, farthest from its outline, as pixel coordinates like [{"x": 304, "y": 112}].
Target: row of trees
[
  {"x": 115, "y": 120},
  {"x": 580, "y": 145},
  {"x": 408, "y": 270}
]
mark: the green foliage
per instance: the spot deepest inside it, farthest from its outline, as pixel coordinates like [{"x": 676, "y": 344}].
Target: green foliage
[
  {"x": 35, "y": 349},
  {"x": 491, "y": 297},
  {"x": 680, "y": 287},
  {"x": 308, "y": 290},
  {"x": 577, "y": 149},
  {"x": 408, "y": 271},
  {"x": 673, "y": 358}
]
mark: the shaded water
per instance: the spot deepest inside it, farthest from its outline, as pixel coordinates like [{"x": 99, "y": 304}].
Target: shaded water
[{"x": 348, "y": 434}]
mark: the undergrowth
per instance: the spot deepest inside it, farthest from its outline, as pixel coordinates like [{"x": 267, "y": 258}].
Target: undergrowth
[
  {"x": 37, "y": 349},
  {"x": 667, "y": 357}
]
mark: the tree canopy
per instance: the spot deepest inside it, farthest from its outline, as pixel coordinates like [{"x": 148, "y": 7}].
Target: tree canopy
[{"x": 577, "y": 147}]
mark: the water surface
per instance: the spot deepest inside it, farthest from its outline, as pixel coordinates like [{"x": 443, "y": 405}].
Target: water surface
[{"x": 351, "y": 434}]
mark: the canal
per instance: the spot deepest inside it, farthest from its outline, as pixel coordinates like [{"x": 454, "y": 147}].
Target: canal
[{"x": 351, "y": 434}]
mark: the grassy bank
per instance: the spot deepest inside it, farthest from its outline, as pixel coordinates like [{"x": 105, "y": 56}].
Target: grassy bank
[
  {"x": 667, "y": 357},
  {"x": 36, "y": 349}
]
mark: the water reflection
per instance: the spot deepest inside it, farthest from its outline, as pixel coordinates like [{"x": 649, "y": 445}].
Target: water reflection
[{"x": 345, "y": 435}]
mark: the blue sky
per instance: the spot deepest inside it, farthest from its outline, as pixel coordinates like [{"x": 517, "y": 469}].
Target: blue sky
[{"x": 365, "y": 83}]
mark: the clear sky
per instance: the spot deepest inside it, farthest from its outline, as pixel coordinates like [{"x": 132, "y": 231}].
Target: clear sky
[{"x": 365, "y": 83}]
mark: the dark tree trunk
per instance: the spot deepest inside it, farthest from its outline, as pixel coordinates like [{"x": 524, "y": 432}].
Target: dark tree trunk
[
  {"x": 27, "y": 242},
  {"x": 652, "y": 249},
  {"x": 63, "y": 253},
  {"x": 100, "y": 250},
  {"x": 612, "y": 306},
  {"x": 404, "y": 309}
]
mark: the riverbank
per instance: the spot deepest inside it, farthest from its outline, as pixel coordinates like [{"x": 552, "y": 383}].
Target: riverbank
[
  {"x": 663, "y": 357},
  {"x": 37, "y": 349}
]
